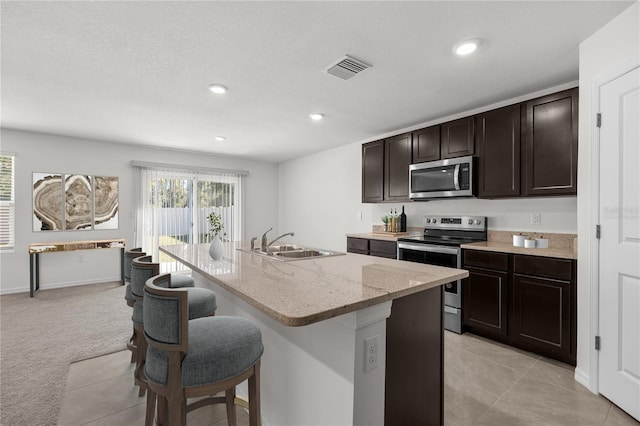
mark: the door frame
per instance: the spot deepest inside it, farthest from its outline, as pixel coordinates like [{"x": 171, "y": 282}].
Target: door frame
[{"x": 594, "y": 219}]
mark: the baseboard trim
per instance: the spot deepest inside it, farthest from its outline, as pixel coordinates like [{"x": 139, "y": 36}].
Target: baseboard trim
[
  {"x": 583, "y": 378},
  {"x": 60, "y": 285}
]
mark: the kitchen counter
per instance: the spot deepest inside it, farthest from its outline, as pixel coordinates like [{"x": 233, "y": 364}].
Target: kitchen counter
[
  {"x": 379, "y": 234},
  {"x": 303, "y": 292},
  {"x": 560, "y": 245},
  {"x": 321, "y": 319}
]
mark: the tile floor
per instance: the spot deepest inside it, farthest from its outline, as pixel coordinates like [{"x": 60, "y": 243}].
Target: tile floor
[{"x": 485, "y": 384}]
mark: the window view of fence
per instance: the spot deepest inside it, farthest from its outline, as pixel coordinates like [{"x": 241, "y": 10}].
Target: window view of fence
[{"x": 175, "y": 206}]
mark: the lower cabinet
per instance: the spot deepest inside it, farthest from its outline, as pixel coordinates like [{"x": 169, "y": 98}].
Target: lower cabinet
[
  {"x": 525, "y": 301},
  {"x": 372, "y": 247},
  {"x": 486, "y": 307}
]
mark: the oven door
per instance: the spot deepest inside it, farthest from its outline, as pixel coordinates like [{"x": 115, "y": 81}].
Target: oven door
[{"x": 432, "y": 254}]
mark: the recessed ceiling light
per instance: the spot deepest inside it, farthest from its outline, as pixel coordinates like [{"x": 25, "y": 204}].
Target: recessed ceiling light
[
  {"x": 220, "y": 138},
  {"x": 466, "y": 47},
  {"x": 316, "y": 116},
  {"x": 218, "y": 88}
]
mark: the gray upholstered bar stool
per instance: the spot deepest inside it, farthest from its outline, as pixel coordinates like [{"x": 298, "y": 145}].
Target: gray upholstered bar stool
[
  {"x": 196, "y": 358},
  {"x": 129, "y": 255},
  {"x": 202, "y": 303}
]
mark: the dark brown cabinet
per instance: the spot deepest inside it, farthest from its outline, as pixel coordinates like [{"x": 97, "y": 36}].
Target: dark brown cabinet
[
  {"x": 372, "y": 247},
  {"x": 498, "y": 142},
  {"x": 456, "y": 138},
  {"x": 397, "y": 157},
  {"x": 426, "y": 144},
  {"x": 525, "y": 301},
  {"x": 372, "y": 172},
  {"x": 550, "y": 137},
  {"x": 528, "y": 149},
  {"x": 544, "y": 306},
  {"x": 485, "y": 293}
]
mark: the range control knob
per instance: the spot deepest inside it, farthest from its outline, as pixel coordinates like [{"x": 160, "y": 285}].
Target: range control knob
[
  {"x": 427, "y": 220},
  {"x": 435, "y": 220},
  {"x": 470, "y": 221},
  {"x": 477, "y": 221}
]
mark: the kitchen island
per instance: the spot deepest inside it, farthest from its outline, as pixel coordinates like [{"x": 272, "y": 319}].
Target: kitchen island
[{"x": 319, "y": 316}]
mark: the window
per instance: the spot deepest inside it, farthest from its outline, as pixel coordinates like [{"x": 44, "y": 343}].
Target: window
[
  {"x": 173, "y": 206},
  {"x": 7, "y": 202}
]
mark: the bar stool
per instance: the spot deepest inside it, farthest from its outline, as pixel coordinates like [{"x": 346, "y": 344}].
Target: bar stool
[
  {"x": 202, "y": 303},
  {"x": 196, "y": 358},
  {"x": 129, "y": 255}
]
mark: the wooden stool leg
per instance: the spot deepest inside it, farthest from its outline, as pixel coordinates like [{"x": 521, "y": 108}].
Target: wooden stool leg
[
  {"x": 254, "y": 397},
  {"x": 151, "y": 408},
  {"x": 231, "y": 407}
]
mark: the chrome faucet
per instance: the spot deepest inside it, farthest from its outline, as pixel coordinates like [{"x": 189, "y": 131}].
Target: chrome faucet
[
  {"x": 253, "y": 240},
  {"x": 276, "y": 239},
  {"x": 263, "y": 241}
]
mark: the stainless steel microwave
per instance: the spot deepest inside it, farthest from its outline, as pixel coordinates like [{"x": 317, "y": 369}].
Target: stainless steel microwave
[{"x": 453, "y": 177}]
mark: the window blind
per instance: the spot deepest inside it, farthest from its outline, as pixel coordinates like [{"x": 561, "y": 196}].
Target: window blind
[{"x": 7, "y": 202}]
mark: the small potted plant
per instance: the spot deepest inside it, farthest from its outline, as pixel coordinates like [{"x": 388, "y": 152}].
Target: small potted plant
[
  {"x": 385, "y": 220},
  {"x": 216, "y": 249}
]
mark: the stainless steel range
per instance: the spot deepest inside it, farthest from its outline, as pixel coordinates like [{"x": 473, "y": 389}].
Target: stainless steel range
[{"x": 440, "y": 245}]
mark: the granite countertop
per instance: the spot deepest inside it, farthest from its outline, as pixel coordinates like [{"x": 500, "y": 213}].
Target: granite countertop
[
  {"x": 561, "y": 246},
  {"x": 302, "y": 292}
]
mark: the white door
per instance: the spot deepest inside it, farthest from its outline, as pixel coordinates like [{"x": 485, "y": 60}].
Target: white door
[{"x": 619, "y": 281}]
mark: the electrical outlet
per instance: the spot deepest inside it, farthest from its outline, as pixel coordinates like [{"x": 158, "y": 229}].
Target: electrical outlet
[
  {"x": 359, "y": 216},
  {"x": 536, "y": 218},
  {"x": 371, "y": 353},
  {"x": 80, "y": 258}
]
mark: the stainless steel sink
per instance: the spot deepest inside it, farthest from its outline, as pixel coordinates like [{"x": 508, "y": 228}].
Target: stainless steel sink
[{"x": 289, "y": 252}]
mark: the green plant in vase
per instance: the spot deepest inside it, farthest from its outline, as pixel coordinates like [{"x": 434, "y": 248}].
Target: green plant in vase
[
  {"x": 385, "y": 220},
  {"x": 215, "y": 225},
  {"x": 216, "y": 248}
]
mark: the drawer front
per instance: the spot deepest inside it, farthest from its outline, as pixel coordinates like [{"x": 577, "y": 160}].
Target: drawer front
[
  {"x": 357, "y": 245},
  {"x": 486, "y": 259},
  {"x": 560, "y": 269},
  {"x": 383, "y": 247}
]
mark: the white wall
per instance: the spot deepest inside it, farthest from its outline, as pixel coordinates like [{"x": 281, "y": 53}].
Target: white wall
[
  {"x": 320, "y": 198},
  {"x": 39, "y": 152},
  {"x": 613, "y": 46}
]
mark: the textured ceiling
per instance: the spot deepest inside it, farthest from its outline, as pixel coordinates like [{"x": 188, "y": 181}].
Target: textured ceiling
[{"x": 137, "y": 72}]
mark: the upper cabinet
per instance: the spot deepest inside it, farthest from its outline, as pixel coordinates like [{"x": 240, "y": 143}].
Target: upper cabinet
[
  {"x": 372, "y": 171},
  {"x": 528, "y": 149},
  {"x": 385, "y": 169},
  {"x": 498, "y": 141},
  {"x": 397, "y": 157},
  {"x": 426, "y": 144},
  {"x": 550, "y": 146},
  {"x": 456, "y": 138}
]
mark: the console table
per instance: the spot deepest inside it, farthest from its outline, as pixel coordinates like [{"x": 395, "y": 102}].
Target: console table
[{"x": 35, "y": 250}]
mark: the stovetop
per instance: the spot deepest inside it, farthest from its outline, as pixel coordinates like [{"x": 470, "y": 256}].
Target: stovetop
[
  {"x": 451, "y": 230},
  {"x": 442, "y": 241}
]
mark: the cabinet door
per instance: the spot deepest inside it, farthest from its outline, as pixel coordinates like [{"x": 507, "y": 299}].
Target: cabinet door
[
  {"x": 372, "y": 172},
  {"x": 498, "y": 142},
  {"x": 484, "y": 302},
  {"x": 551, "y": 144},
  {"x": 426, "y": 144},
  {"x": 456, "y": 138},
  {"x": 542, "y": 316},
  {"x": 397, "y": 154},
  {"x": 357, "y": 245},
  {"x": 381, "y": 248}
]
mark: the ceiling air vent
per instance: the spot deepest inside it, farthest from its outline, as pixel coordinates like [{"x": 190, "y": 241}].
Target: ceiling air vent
[{"x": 347, "y": 67}]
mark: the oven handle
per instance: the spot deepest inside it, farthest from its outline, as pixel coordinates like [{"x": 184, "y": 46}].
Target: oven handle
[
  {"x": 456, "y": 177},
  {"x": 428, "y": 248}
]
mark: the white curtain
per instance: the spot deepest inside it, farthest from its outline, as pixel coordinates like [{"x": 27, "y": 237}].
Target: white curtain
[{"x": 173, "y": 205}]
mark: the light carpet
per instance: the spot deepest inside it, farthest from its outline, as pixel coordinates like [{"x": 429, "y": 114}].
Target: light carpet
[{"x": 41, "y": 336}]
